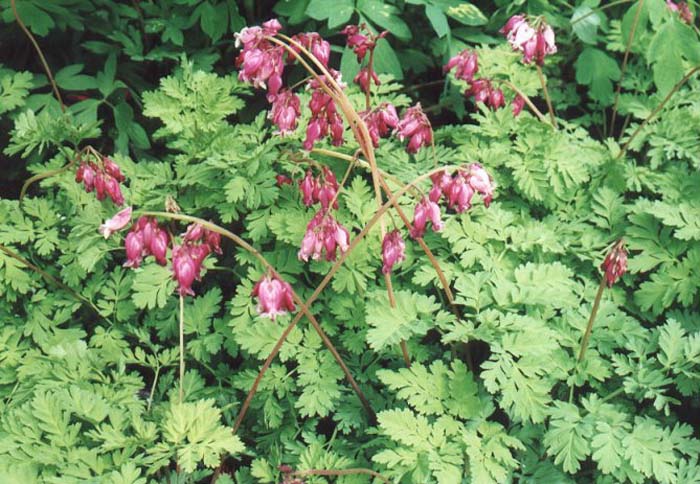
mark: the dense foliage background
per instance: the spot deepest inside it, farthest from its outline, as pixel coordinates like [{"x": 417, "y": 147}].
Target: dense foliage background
[{"x": 89, "y": 349}]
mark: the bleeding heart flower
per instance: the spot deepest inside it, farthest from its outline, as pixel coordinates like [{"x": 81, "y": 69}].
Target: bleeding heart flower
[
  {"x": 134, "y": 249},
  {"x": 393, "y": 250},
  {"x": 274, "y": 296},
  {"x": 518, "y": 104},
  {"x": 415, "y": 126},
  {"x": 363, "y": 78},
  {"x": 425, "y": 211},
  {"x": 185, "y": 269},
  {"x": 323, "y": 234},
  {"x": 481, "y": 182},
  {"x": 534, "y": 43},
  {"x": 285, "y": 111},
  {"x": 467, "y": 65},
  {"x": 615, "y": 263},
  {"x": 120, "y": 220}
]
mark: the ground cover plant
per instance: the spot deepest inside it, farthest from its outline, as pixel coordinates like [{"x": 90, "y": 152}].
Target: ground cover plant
[{"x": 352, "y": 241}]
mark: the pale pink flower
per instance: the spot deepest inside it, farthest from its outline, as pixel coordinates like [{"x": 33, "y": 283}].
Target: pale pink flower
[
  {"x": 120, "y": 220},
  {"x": 274, "y": 297},
  {"x": 285, "y": 111},
  {"x": 481, "y": 182},
  {"x": 393, "y": 250},
  {"x": 467, "y": 65},
  {"x": 415, "y": 126}
]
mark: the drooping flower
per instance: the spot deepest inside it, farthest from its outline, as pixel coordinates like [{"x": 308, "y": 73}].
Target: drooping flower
[
  {"x": 363, "y": 78},
  {"x": 380, "y": 121},
  {"x": 441, "y": 183},
  {"x": 393, "y": 250},
  {"x": 361, "y": 40},
  {"x": 185, "y": 269},
  {"x": 534, "y": 43},
  {"x": 518, "y": 103},
  {"x": 120, "y": 220},
  {"x": 285, "y": 110},
  {"x": 459, "y": 193},
  {"x": 307, "y": 185},
  {"x": 325, "y": 119},
  {"x": 467, "y": 65},
  {"x": 484, "y": 92},
  {"x": 415, "y": 126},
  {"x": 425, "y": 211},
  {"x": 683, "y": 11},
  {"x": 261, "y": 62},
  {"x": 146, "y": 238},
  {"x": 326, "y": 189},
  {"x": 104, "y": 178},
  {"x": 615, "y": 263},
  {"x": 315, "y": 44},
  {"x": 274, "y": 296},
  {"x": 323, "y": 234},
  {"x": 480, "y": 181},
  {"x": 283, "y": 180}
]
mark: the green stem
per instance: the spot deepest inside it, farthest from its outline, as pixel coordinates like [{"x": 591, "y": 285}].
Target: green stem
[
  {"x": 630, "y": 39},
  {"x": 546, "y": 97}
]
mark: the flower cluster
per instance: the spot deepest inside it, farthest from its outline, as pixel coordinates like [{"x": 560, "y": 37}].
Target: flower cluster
[
  {"x": 534, "y": 40},
  {"x": 364, "y": 77},
  {"x": 615, "y": 264},
  {"x": 188, "y": 257},
  {"x": 146, "y": 238},
  {"x": 457, "y": 190},
  {"x": 322, "y": 188},
  {"x": 361, "y": 40},
  {"x": 380, "y": 121},
  {"x": 315, "y": 44},
  {"x": 104, "y": 178},
  {"x": 325, "y": 119},
  {"x": 323, "y": 234},
  {"x": 466, "y": 64},
  {"x": 274, "y": 296},
  {"x": 393, "y": 250},
  {"x": 683, "y": 11},
  {"x": 261, "y": 62},
  {"x": 415, "y": 126},
  {"x": 286, "y": 108},
  {"x": 484, "y": 92}
]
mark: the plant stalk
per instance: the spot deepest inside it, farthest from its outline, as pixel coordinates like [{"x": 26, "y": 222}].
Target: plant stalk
[
  {"x": 182, "y": 345},
  {"x": 546, "y": 97}
]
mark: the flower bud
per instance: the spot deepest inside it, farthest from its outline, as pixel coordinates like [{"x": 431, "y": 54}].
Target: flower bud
[{"x": 615, "y": 263}]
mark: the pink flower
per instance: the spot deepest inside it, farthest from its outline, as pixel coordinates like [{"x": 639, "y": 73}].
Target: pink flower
[
  {"x": 113, "y": 190},
  {"x": 363, "y": 78},
  {"x": 325, "y": 119},
  {"x": 315, "y": 44},
  {"x": 159, "y": 246},
  {"x": 459, "y": 193},
  {"x": 683, "y": 11},
  {"x": 425, "y": 211},
  {"x": 484, "y": 92},
  {"x": 393, "y": 248},
  {"x": 261, "y": 62},
  {"x": 283, "y": 180},
  {"x": 441, "y": 183},
  {"x": 480, "y": 181},
  {"x": 380, "y": 121},
  {"x": 467, "y": 65},
  {"x": 134, "y": 249},
  {"x": 518, "y": 104},
  {"x": 185, "y": 269},
  {"x": 307, "y": 185},
  {"x": 323, "y": 234},
  {"x": 534, "y": 44},
  {"x": 196, "y": 233},
  {"x": 285, "y": 111},
  {"x": 326, "y": 189},
  {"x": 615, "y": 263},
  {"x": 112, "y": 169},
  {"x": 361, "y": 43},
  {"x": 274, "y": 297},
  {"x": 415, "y": 126},
  {"x": 120, "y": 220}
]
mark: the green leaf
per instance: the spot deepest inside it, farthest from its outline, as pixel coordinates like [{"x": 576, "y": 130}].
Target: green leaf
[
  {"x": 385, "y": 16},
  {"x": 467, "y": 14},
  {"x": 585, "y": 22},
  {"x": 70, "y": 78},
  {"x": 597, "y": 70},
  {"x": 214, "y": 20},
  {"x": 153, "y": 285},
  {"x": 412, "y": 315},
  {"x": 671, "y": 44},
  {"x": 386, "y": 60},
  {"x": 437, "y": 20},
  {"x": 568, "y": 437},
  {"x": 337, "y": 12}
]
